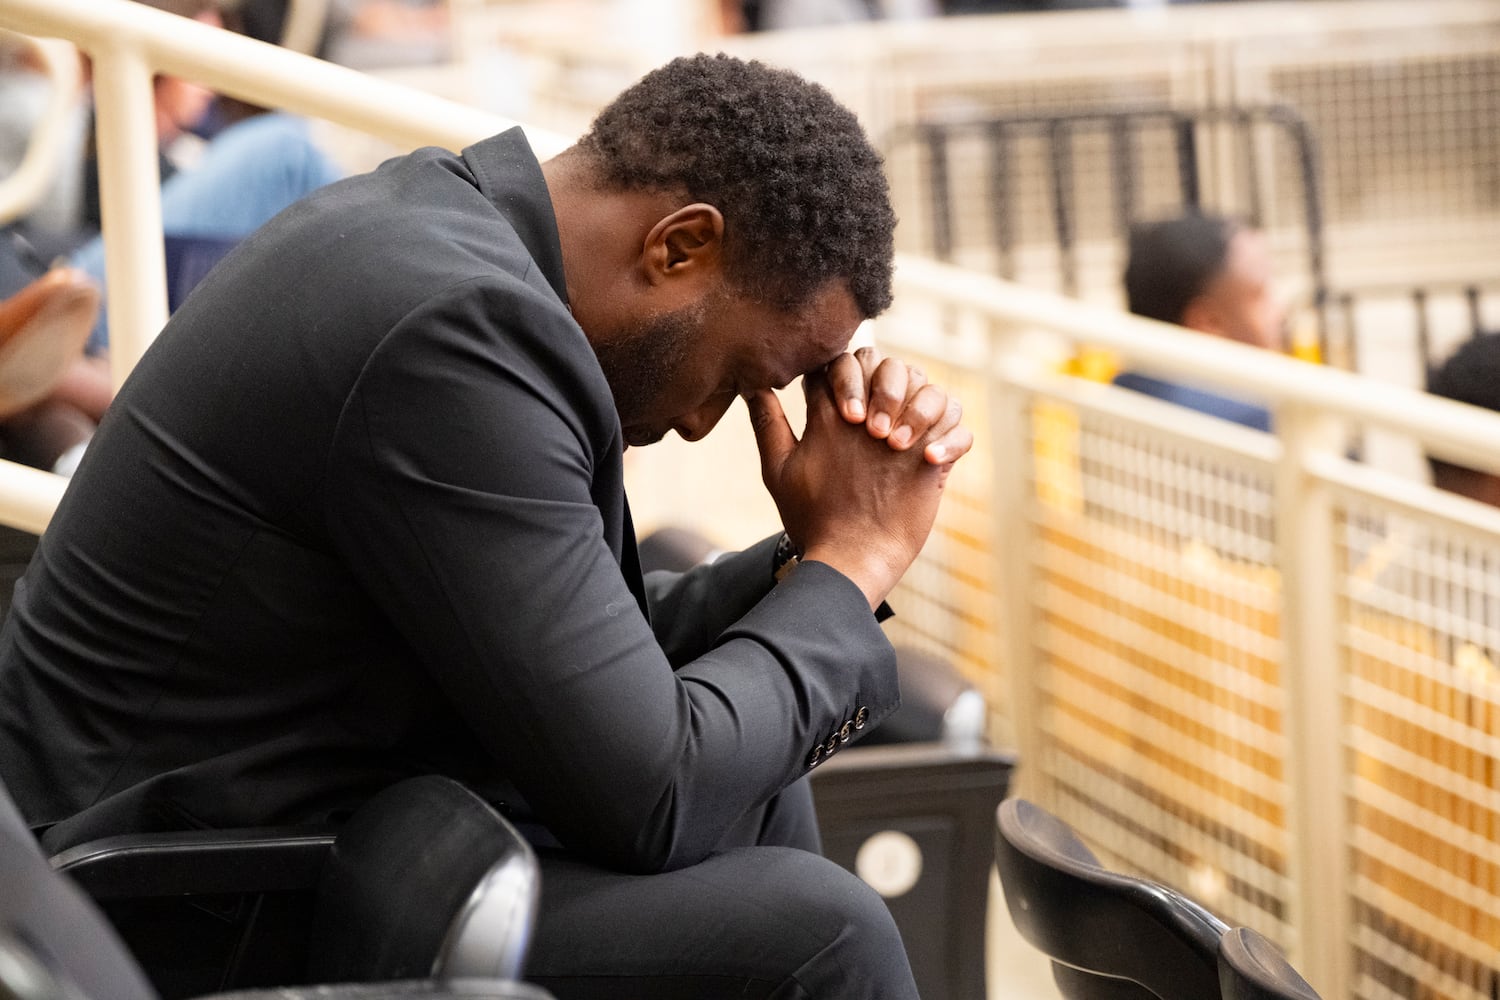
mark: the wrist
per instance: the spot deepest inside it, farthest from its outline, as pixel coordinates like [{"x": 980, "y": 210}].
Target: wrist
[{"x": 867, "y": 572}]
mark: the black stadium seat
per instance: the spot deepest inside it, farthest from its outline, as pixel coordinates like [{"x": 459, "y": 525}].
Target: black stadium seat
[
  {"x": 460, "y": 931},
  {"x": 1113, "y": 936}
]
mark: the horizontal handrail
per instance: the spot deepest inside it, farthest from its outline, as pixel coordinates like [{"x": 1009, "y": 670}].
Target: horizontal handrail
[
  {"x": 1460, "y": 433},
  {"x": 129, "y": 44},
  {"x": 262, "y": 73}
]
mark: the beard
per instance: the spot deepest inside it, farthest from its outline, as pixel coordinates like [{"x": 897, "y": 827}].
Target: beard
[{"x": 642, "y": 362}]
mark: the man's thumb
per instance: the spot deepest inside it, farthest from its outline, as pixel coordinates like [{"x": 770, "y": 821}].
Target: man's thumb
[{"x": 773, "y": 435}]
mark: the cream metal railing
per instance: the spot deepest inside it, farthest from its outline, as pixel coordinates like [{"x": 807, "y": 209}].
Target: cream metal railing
[
  {"x": 1182, "y": 624},
  {"x": 129, "y": 44},
  {"x": 1202, "y": 597}
]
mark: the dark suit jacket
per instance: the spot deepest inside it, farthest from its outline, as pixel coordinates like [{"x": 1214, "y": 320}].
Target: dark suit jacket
[{"x": 358, "y": 514}]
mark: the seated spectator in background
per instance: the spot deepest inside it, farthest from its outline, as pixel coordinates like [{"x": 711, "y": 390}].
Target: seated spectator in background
[
  {"x": 51, "y": 396},
  {"x": 47, "y": 403},
  {"x": 1209, "y": 274},
  {"x": 223, "y": 188},
  {"x": 256, "y": 164},
  {"x": 1470, "y": 375}
]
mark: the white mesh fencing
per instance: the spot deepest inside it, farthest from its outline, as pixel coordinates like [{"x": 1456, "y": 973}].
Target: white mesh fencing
[{"x": 1240, "y": 663}]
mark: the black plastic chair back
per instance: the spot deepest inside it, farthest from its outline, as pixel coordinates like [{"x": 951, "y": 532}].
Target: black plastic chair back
[
  {"x": 1110, "y": 936},
  {"x": 425, "y": 880},
  {"x": 54, "y": 944},
  {"x": 1250, "y": 968}
]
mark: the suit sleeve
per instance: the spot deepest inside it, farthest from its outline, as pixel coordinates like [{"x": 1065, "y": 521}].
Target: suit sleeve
[
  {"x": 690, "y": 610},
  {"x": 460, "y": 493}
]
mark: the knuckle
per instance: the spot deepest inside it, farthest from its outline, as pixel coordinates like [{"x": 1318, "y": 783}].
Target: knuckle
[{"x": 930, "y": 401}]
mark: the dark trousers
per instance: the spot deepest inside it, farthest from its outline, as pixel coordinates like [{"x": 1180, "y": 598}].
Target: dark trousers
[{"x": 766, "y": 917}]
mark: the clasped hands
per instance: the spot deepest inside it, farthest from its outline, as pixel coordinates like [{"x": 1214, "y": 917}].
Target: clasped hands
[{"x": 859, "y": 490}]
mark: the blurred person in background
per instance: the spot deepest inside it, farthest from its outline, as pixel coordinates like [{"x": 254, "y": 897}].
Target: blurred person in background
[
  {"x": 214, "y": 193},
  {"x": 51, "y": 395},
  {"x": 780, "y": 15},
  {"x": 1470, "y": 375},
  {"x": 1210, "y": 274},
  {"x": 1035, "y": 6}
]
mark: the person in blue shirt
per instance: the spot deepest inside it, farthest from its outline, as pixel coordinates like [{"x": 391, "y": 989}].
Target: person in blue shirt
[{"x": 1214, "y": 275}]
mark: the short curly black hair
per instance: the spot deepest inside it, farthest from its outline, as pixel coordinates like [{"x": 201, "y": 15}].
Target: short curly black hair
[
  {"x": 803, "y": 193},
  {"x": 1472, "y": 372},
  {"x": 1173, "y": 261},
  {"x": 1470, "y": 375}
]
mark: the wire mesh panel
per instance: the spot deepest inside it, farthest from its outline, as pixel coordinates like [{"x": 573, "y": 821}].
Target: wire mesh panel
[
  {"x": 1049, "y": 198},
  {"x": 945, "y": 602},
  {"x": 1405, "y": 119},
  {"x": 1399, "y": 332},
  {"x": 1411, "y": 133},
  {"x": 1421, "y": 639},
  {"x": 1158, "y": 658},
  {"x": 975, "y": 190}
]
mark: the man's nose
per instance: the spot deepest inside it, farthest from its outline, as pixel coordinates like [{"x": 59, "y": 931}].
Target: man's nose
[{"x": 695, "y": 425}]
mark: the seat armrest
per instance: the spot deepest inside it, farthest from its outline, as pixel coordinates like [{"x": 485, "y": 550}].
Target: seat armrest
[
  {"x": 411, "y": 989},
  {"x": 886, "y": 762},
  {"x": 936, "y": 802},
  {"x": 198, "y": 862}
]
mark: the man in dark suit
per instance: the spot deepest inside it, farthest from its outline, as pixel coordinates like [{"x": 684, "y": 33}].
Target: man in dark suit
[{"x": 358, "y": 515}]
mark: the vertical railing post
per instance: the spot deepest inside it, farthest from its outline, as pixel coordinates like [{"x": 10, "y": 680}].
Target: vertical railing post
[
  {"x": 1011, "y": 479},
  {"x": 130, "y": 204},
  {"x": 1312, "y": 714},
  {"x": 942, "y": 204}
]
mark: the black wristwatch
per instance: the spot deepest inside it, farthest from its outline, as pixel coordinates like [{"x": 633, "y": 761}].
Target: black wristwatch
[{"x": 786, "y": 557}]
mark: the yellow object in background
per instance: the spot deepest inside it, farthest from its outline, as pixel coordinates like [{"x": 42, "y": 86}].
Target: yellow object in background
[
  {"x": 1093, "y": 363},
  {"x": 1305, "y": 345}
]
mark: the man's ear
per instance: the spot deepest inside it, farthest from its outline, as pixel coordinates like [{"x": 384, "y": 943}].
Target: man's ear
[
  {"x": 687, "y": 242},
  {"x": 1487, "y": 489}
]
